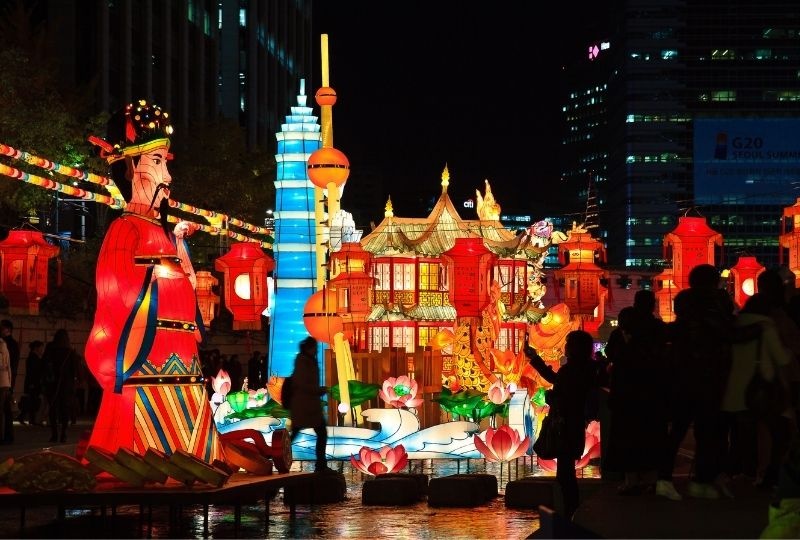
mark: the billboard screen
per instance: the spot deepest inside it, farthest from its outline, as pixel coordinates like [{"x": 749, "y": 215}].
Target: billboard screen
[{"x": 746, "y": 161}]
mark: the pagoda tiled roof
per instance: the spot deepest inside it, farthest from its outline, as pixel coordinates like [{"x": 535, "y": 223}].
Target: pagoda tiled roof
[{"x": 433, "y": 235}]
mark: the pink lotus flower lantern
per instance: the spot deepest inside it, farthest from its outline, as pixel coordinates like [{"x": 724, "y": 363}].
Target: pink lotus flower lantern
[
  {"x": 400, "y": 392},
  {"x": 385, "y": 460},
  {"x": 502, "y": 444},
  {"x": 499, "y": 393},
  {"x": 591, "y": 449}
]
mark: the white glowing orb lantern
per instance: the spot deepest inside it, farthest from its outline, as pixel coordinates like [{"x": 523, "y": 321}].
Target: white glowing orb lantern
[{"x": 246, "y": 267}]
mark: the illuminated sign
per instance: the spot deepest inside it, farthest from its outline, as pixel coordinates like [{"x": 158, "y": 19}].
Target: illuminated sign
[
  {"x": 469, "y": 203},
  {"x": 746, "y": 161},
  {"x": 596, "y": 48}
]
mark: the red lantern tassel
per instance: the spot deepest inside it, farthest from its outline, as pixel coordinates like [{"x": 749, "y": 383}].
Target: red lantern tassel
[{"x": 130, "y": 132}]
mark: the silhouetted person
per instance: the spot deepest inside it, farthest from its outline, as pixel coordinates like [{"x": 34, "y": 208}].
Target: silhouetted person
[
  {"x": 305, "y": 407},
  {"x": 701, "y": 338},
  {"x": 571, "y": 386},
  {"x": 33, "y": 382},
  {"x": 637, "y": 400},
  {"x": 61, "y": 363},
  {"x": 6, "y": 328}
]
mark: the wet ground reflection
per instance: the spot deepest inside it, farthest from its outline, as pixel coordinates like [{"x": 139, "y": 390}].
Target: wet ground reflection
[{"x": 349, "y": 519}]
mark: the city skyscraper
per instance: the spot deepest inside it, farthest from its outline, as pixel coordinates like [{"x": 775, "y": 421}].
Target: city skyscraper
[{"x": 659, "y": 94}]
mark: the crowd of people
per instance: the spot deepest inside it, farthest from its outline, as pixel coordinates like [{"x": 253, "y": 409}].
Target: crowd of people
[
  {"x": 695, "y": 372},
  {"x": 689, "y": 377}
]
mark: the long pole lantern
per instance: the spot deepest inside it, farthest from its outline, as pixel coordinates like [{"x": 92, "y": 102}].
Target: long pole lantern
[{"x": 115, "y": 199}]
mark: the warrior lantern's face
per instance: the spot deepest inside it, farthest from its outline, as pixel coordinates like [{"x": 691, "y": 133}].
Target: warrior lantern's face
[{"x": 151, "y": 178}]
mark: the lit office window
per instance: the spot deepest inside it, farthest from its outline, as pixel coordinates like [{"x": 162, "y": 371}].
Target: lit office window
[
  {"x": 723, "y": 95},
  {"x": 242, "y": 17},
  {"x": 669, "y": 54},
  {"x": 723, "y": 54},
  {"x": 763, "y": 54}
]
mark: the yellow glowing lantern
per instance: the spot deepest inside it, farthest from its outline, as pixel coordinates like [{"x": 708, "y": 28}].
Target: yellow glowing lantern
[{"x": 207, "y": 301}]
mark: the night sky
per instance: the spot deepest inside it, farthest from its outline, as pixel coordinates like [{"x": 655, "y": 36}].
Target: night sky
[{"x": 473, "y": 85}]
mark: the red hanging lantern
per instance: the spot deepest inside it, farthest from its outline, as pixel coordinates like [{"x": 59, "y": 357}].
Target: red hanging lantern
[
  {"x": 790, "y": 239},
  {"x": 352, "y": 286},
  {"x": 25, "y": 255},
  {"x": 469, "y": 269},
  {"x": 665, "y": 294},
  {"x": 207, "y": 301},
  {"x": 692, "y": 243},
  {"x": 583, "y": 293},
  {"x": 245, "y": 267},
  {"x": 745, "y": 279}
]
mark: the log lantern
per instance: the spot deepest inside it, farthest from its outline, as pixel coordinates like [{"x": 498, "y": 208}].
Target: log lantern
[
  {"x": 745, "y": 279},
  {"x": 25, "y": 255},
  {"x": 207, "y": 301},
  {"x": 245, "y": 269}
]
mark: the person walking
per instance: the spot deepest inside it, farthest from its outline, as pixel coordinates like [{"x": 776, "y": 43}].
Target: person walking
[
  {"x": 305, "y": 408},
  {"x": 32, "y": 383},
  {"x": 5, "y": 390},
  {"x": 571, "y": 386},
  {"x": 6, "y": 329},
  {"x": 60, "y": 362}
]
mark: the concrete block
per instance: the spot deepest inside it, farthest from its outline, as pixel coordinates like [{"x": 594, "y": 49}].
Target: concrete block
[
  {"x": 323, "y": 488},
  {"x": 457, "y": 491},
  {"x": 533, "y": 492},
  {"x": 488, "y": 481},
  {"x": 397, "y": 491},
  {"x": 420, "y": 478}
]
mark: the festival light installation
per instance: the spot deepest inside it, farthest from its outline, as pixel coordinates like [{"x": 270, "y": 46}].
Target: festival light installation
[
  {"x": 789, "y": 240},
  {"x": 245, "y": 267},
  {"x": 691, "y": 243},
  {"x": 24, "y": 257},
  {"x": 142, "y": 347},
  {"x": 295, "y": 228},
  {"x": 745, "y": 278},
  {"x": 207, "y": 300}
]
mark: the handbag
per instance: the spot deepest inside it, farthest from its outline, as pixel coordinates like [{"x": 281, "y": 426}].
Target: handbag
[
  {"x": 550, "y": 442},
  {"x": 762, "y": 396}
]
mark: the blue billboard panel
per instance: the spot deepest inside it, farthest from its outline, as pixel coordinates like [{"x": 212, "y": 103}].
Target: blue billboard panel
[{"x": 746, "y": 161}]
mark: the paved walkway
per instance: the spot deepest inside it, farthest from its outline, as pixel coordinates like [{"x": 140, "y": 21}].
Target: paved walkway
[{"x": 602, "y": 510}]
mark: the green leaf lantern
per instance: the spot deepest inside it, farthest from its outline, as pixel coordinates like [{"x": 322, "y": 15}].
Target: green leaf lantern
[{"x": 359, "y": 392}]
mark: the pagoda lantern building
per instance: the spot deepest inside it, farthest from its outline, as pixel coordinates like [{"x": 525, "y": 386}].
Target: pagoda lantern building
[
  {"x": 417, "y": 269},
  {"x": 580, "y": 275},
  {"x": 745, "y": 279},
  {"x": 790, "y": 239},
  {"x": 690, "y": 244},
  {"x": 351, "y": 283}
]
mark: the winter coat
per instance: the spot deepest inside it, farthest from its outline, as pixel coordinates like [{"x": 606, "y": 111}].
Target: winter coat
[
  {"x": 571, "y": 386},
  {"x": 305, "y": 407}
]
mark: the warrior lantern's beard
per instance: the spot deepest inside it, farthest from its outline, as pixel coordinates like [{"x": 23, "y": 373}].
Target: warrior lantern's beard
[{"x": 163, "y": 207}]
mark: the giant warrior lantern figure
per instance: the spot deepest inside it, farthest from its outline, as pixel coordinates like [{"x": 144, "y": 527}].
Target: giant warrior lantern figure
[{"x": 143, "y": 346}]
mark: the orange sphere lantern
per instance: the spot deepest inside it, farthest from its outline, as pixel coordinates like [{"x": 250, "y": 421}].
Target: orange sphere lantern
[
  {"x": 320, "y": 318},
  {"x": 207, "y": 301},
  {"x": 25, "y": 255},
  {"x": 328, "y": 165},
  {"x": 745, "y": 279},
  {"x": 325, "y": 96},
  {"x": 245, "y": 267}
]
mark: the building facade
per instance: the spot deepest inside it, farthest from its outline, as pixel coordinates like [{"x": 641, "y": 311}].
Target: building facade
[{"x": 662, "y": 82}]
